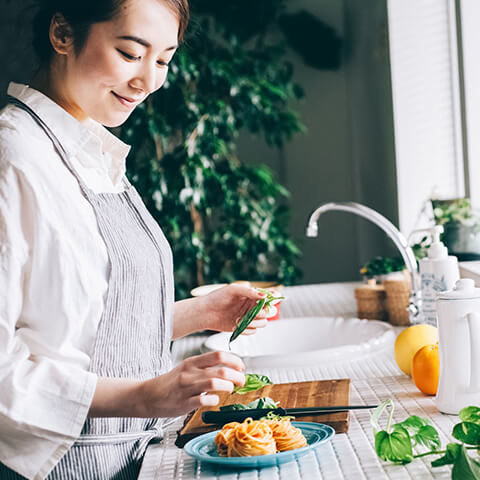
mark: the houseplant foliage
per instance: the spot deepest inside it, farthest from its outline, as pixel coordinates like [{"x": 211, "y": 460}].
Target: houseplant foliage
[
  {"x": 461, "y": 225},
  {"x": 225, "y": 220}
]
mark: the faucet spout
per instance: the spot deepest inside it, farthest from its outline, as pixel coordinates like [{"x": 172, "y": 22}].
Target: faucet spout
[{"x": 393, "y": 233}]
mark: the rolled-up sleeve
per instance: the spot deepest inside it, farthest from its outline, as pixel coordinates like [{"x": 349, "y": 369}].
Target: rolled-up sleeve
[{"x": 43, "y": 401}]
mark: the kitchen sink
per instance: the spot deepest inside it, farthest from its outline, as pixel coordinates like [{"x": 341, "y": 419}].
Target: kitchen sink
[{"x": 307, "y": 341}]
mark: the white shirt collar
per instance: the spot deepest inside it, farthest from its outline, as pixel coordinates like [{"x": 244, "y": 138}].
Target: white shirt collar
[{"x": 107, "y": 151}]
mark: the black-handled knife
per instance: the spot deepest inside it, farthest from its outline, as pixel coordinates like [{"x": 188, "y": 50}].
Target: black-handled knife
[{"x": 220, "y": 417}]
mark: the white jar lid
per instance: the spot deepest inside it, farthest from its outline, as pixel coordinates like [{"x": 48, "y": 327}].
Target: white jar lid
[{"x": 463, "y": 289}]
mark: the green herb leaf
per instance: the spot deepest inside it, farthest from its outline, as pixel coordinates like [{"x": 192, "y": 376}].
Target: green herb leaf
[
  {"x": 247, "y": 319},
  {"x": 450, "y": 456},
  {"x": 253, "y": 382},
  {"x": 253, "y": 312},
  {"x": 467, "y": 432},
  {"x": 465, "y": 467},
  {"x": 263, "y": 402},
  {"x": 470, "y": 414},
  {"x": 394, "y": 447}
]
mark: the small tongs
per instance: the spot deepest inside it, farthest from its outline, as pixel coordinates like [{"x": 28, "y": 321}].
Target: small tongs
[{"x": 220, "y": 417}]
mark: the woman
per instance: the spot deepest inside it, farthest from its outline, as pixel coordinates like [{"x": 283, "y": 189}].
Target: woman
[{"x": 87, "y": 311}]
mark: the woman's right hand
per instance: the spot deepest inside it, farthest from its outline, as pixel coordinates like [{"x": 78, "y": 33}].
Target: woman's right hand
[{"x": 187, "y": 386}]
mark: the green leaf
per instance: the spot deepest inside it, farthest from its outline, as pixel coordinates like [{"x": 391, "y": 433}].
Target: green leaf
[
  {"x": 467, "y": 432},
  {"x": 253, "y": 382},
  {"x": 470, "y": 414},
  {"x": 247, "y": 319},
  {"x": 428, "y": 437},
  {"x": 414, "y": 423},
  {"x": 263, "y": 402},
  {"x": 421, "y": 431},
  {"x": 451, "y": 454},
  {"x": 394, "y": 447},
  {"x": 465, "y": 467}
]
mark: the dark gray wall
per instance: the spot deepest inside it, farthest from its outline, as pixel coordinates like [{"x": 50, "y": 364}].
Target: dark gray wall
[
  {"x": 348, "y": 152},
  {"x": 18, "y": 62}
]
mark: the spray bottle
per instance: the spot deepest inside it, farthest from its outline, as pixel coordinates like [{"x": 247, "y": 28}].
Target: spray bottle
[{"x": 438, "y": 273}]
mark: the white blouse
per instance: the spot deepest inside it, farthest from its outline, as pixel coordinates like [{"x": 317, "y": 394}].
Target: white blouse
[{"x": 53, "y": 278}]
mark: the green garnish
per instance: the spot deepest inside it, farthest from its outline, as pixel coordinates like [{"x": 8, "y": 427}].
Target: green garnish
[
  {"x": 274, "y": 416},
  {"x": 252, "y": 313},
  {"x": 253, "y": 382},
  {"x": 398, "y": 442},
  {"x": 264, "y": 402}
]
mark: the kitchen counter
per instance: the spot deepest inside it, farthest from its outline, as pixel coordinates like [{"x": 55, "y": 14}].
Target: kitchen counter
[{"x": 351, "y": 456}]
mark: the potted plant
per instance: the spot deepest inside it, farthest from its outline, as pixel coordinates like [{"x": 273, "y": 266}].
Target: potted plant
[
  {"x": 384, "y": 267},
  {"x": 225, "y": 219},
  {"x": 461, "y": 227}
]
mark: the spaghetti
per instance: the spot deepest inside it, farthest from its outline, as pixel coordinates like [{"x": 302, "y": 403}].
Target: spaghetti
[
  {"x": 258, "y": 437},
  {"x": 287, "y": 437}
]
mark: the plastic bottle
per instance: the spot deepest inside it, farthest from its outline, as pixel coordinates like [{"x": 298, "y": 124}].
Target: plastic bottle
[{"x": 438, "y": 273}]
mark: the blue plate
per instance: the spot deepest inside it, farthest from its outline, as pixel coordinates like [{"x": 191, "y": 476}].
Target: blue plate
[{"x": 203, "y": 448}]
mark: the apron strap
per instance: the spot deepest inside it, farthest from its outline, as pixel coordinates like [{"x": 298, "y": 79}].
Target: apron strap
[{"x": 56, "y": 142}]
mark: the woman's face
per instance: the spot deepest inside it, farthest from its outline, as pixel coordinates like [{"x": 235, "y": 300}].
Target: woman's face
[{"x": 123, "y": 61}]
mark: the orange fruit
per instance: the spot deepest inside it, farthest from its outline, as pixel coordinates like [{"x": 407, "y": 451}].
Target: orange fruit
[
  {"x": 426, "y": 368},
  {"x": 409, "y": 341}
]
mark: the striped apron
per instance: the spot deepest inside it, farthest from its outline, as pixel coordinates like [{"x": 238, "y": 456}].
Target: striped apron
[{"x": 134, "y": 333}]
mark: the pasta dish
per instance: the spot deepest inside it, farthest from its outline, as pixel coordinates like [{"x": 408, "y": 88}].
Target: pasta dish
[{"x": 258, "y": 437}]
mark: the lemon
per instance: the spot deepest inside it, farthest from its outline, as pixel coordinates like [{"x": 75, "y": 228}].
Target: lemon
[{"x": 410, "y": 341}]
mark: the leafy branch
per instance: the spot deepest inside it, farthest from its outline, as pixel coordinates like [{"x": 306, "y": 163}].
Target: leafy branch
[
  {"x": 404, "y": 441},
  {"x": 224, "y": 218}
]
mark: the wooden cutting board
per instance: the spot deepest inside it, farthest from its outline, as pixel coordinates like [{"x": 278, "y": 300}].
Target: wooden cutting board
[{"x": 290, "y": 395}]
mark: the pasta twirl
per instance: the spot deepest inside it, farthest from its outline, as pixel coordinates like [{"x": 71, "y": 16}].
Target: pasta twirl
[
  {"x": 258, "y": 437},
  {"x": 287, "y": 437}
]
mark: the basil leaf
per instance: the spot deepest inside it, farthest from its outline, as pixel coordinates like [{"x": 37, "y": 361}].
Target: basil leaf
[
  {"x": 394, "y": 447},
  {"x": 470, "y": 414},
  {"x": 264, "y": 402},
  {"x": 450, "y": 456},
  {"x": 253, "y": 382},
  {"x": 263, "y": 379},
  {"x": 465, "y": 467},
  {"x": 467, "y": 432}
]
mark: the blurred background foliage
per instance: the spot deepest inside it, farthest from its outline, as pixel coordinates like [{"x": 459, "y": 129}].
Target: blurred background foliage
[{"x": 226, "y": 219}]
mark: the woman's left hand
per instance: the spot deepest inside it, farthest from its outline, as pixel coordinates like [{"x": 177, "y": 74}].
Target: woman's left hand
[{"x": 227, "y": 305}]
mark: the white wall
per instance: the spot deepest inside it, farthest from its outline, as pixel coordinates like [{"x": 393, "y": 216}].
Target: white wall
[
  {"x": 470, "y": 20},
  {"x": 426, "y": 99}
]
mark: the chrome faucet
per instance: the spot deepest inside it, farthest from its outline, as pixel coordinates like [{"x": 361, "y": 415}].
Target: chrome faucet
[{"x": 390, "y": 229}]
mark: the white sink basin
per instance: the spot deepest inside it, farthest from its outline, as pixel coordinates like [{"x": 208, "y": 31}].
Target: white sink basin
[{"x": 306, "y": 341}]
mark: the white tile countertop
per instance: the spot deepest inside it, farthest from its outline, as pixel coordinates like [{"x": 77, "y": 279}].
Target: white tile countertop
[{"x": 351, "y": 455}]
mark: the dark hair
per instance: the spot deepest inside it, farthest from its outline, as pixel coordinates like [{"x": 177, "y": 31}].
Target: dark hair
[{"x": 81, "y": 14}]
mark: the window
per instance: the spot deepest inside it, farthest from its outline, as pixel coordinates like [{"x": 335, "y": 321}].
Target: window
[{"x": 426, "y": 105}]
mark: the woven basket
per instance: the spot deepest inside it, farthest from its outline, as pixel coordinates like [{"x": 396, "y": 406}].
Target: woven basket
[
  {"x": 371, "y": 301},
  {"x": 398, "y": 298}
]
